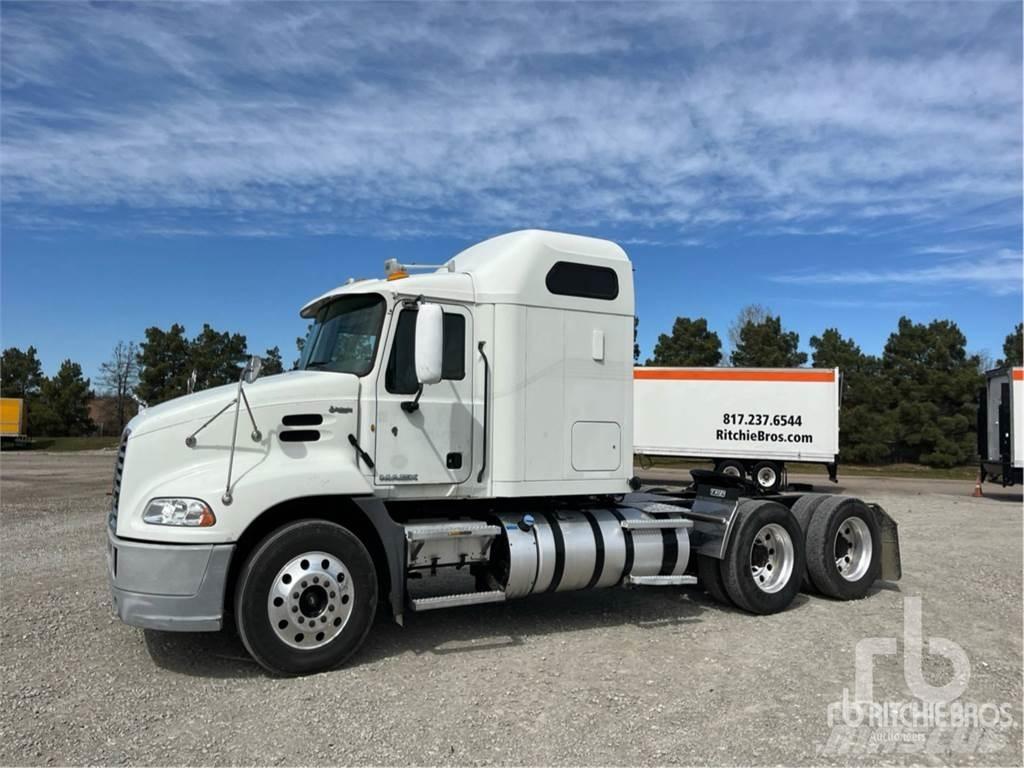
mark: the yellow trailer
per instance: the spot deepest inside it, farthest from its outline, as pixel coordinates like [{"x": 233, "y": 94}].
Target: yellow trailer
[{"x": 12, "y": 418}]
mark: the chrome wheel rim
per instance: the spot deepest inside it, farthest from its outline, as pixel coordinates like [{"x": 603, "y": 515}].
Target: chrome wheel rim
[
  {"x": 771, "y": 558},
  {"x": 766, "y": 477},
  {"x": 853, "y": 549},
  {"x": 731, "y": 470},
  {"x": 310, "y": 600}
]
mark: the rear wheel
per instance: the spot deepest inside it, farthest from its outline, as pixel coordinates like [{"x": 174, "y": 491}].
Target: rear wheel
[
  {"x": 306, "y": 597},
  {"x": 764, "y": 562},
  {"x": 843, "y": 548},
  {"x": 731, "y": 467},
  {"x": 803, "y": 510},
  {"x": 768, "y": 476}
]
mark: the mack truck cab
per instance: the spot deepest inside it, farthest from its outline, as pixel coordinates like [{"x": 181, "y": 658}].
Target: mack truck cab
[{"x": 474, "y": 418}]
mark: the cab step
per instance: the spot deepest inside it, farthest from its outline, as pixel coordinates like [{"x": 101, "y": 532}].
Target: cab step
[
  {"x": 655, "y": 523},
  {"x": 454, "y": 601},
  {"x": 437, "y": 543},
  {"x": 661, "y": 581},
  {"x": 449, "y": 529}
]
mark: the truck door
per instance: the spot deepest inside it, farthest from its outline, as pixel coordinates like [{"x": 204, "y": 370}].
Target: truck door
[{"x": 430, "y": 443}]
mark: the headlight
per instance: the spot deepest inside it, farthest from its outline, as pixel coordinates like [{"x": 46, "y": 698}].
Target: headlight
[{"x": 189, "y": 512}]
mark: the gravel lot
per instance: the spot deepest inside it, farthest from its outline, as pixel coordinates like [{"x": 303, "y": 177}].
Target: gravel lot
[{"x": 608, "y": 677}]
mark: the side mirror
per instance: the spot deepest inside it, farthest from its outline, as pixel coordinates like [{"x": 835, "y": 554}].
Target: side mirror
[
  {"x": 429, "y": 343},
  {"x": 252, "y": 369}
]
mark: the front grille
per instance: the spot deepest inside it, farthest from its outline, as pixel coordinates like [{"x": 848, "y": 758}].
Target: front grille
[{"x": 115, "y": 493}]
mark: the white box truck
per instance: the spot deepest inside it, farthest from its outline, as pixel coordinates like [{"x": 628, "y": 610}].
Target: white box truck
[
  {"x": 748, "y": 421},
  {"x": 1001, "y": 426},
  {"x": 476, "y": 419}
]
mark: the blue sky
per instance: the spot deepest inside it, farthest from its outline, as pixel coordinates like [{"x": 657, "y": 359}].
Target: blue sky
[{"x": 840, "y": 163}]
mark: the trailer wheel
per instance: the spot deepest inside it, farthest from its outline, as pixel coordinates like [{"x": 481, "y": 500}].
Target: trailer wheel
[
  {"x": 764, "y": 562},
  {"x": 768, "y": 476},
  {"x": 709, "y": 575},
  {"x": 803, "y": 510},
  {"x": 306, "y": 597},
  {"x": 843, "y": 548},
  {"x": 731, "y": 467}
]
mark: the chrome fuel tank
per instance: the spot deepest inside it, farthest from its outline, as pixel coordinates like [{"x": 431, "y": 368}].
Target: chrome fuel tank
[{"x": 569, "y": 549}]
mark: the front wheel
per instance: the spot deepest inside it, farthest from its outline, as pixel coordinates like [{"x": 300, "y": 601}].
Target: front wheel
[{"x": 306, "y": 597}]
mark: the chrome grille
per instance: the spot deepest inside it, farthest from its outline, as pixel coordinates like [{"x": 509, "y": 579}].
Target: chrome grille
[{"x": 115, "y": 493}]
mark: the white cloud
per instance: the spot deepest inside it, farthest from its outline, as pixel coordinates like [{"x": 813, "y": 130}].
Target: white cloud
[
  {"x": 998, "y": 273},
  {"x": 445, "y": 118}
]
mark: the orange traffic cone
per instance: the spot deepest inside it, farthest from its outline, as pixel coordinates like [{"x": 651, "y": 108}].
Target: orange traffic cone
[{"x": 977, "y": 489}]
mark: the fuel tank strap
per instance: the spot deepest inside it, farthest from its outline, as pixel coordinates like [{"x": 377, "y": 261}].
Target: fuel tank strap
[
  {"x": 556, "y": 534},
  {"x": 670, "y": 551},
  {"x": 598, "y": 548},
  {"x": 627, "y": 536}
]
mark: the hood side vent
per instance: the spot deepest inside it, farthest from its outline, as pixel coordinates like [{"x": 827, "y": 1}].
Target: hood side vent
[
  {"x": 299, "y": 436},
  {"x": 302, "y": 420}
]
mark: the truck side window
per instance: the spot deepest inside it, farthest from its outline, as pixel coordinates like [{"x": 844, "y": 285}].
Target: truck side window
[
  {"x": 400, "y": 376},
  {"x": 586, "y": 281}
]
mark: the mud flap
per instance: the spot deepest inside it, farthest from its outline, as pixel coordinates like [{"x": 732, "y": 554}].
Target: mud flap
[
  {"x": 392, "y": 537},
  {"x": 888, "y": 533}
]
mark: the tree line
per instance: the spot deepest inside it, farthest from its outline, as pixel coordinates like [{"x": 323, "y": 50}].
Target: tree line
[
  {"x": 151, "y": 371},
  {"x": 913, "y": 403},
  {"x": 916, "y": 402}
]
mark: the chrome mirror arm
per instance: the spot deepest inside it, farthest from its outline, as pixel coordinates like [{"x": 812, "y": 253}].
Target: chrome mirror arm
[
  {"x": 256, "y": 434},
  {"x": 190, "y": 441},
  {"x": 227, "y": 497}
]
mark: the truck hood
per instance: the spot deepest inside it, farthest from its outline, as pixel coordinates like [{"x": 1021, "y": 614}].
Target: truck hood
[{"x": 278, "y": 390}]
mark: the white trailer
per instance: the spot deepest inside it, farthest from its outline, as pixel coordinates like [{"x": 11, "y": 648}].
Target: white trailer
[
  {"x": 1001, "y": 426},
  {"x": 476, "y": 419},
  {"x": 748, "y": 421}
]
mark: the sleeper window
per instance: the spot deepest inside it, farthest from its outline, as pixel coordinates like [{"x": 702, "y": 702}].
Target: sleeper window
[{"x": 587, "y": 281}]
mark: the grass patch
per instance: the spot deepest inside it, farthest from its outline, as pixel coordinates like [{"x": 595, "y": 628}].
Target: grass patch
[
  {"x": 897, "y": 470},
  {"x": 67, "y": 444}
]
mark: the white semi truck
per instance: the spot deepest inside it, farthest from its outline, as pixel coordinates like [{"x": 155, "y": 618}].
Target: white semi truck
[
  {"x": 748, "y": 421},
  {"x": 1001, "y": 426},
  {"x": 475, "y": 419}
]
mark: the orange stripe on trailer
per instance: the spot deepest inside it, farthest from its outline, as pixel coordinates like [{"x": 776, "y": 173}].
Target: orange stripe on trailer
[
  {"x": 1018, "y": 374},
  {"x": 732, "y": 375}
]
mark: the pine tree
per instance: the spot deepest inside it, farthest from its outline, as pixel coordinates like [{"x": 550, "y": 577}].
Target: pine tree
[
  {"x": 766, "y": 345},
  {"x": 690, "y": 344}
]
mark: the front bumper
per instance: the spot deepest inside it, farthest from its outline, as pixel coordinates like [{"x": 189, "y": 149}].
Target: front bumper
[{"x": 174, "y": 587}]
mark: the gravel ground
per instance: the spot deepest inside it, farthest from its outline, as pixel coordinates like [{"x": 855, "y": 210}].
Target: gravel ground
[{"x": 610, "y": 677}]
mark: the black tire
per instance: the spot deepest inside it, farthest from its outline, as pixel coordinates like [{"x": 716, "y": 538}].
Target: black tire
[
  {"x": 709, "y": 576},
  {"x": 803, "y": 510},
  {"x": 747, "y": 587},
  {"x": 731, "y": 467},
  {"x": 258, "y": 576},
  {"x": 761, "y": 473},
  {"x": 824, "y": 542}
]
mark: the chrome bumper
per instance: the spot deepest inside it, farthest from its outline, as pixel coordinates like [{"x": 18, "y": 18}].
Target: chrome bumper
[{"x": 173, "y": 587}]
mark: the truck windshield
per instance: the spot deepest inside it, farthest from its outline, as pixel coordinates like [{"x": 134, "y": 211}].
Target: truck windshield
[{"x": 344, "y": 336}]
